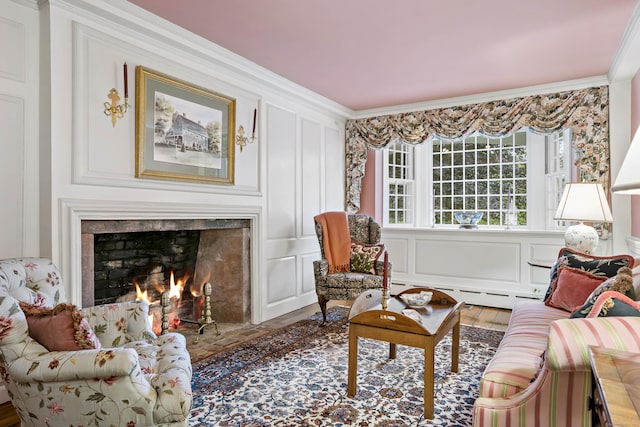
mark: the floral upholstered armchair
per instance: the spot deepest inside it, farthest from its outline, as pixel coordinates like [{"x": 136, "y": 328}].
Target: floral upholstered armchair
[
  {"x": 99, "y": 366},
  {"x": 366, "y": 266}
]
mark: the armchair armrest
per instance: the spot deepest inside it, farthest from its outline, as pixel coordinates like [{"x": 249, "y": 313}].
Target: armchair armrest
[
  {"x": 569, "y": 340},
  {"x": 104, "y": 319},
  {"x": 380, "y": 268},
  {"x": 321, "y": 267},
  {"x": 74, "y": 365}
]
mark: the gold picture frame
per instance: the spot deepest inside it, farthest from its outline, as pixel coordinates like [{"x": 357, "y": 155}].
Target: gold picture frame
[{"x": 183, "y": 132}]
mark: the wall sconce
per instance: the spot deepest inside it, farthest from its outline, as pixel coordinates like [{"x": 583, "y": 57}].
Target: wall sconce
[
  {"x": 242, "y": 140},
  {"x": 113, "y": 109}
]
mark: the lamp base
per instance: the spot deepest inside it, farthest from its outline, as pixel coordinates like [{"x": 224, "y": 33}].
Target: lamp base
[{"x": 581, "y": 237}]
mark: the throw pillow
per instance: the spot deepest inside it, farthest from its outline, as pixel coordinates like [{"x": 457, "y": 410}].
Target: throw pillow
[
  {"x": 571, "y": 288},
  {"x": 61, "y": 328},
  {"x": 364, "y": 257},
  {"x": 613, "y": 303},
  {"x": 604, "y": 266},
  {"x": 621, "y": 282}
]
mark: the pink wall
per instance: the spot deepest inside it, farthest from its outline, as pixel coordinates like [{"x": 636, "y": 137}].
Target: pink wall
[
  {"x": 369, "y": 203},
  {"x": 635, "y": 123}
]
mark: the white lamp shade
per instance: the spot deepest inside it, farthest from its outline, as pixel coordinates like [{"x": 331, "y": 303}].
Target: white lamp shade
[
  {"x": 628, "y": 179},
  {"x": 583, "y": 202}
]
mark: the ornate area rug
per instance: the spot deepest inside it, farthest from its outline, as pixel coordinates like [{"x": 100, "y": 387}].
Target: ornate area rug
[{"x": 297, "y": 376}]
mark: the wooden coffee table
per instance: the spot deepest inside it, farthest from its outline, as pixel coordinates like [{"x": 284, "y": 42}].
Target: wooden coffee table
[{"x": 367, "y": 319}]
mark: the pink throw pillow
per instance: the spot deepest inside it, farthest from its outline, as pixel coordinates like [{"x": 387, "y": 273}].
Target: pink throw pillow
[
  {"x": 571, "y": 288},
  {"x": 61, "y": 328}
]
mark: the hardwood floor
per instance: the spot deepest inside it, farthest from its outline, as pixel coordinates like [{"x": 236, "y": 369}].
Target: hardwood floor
[
  {"x": 207, "y": 343},
  {"x": 201, "y": 346}
]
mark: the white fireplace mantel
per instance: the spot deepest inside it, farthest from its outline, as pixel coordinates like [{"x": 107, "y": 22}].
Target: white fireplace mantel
[{"x": 73, "y": 211}]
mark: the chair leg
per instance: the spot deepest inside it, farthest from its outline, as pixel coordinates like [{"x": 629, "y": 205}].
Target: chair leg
[{"x": 322, "y": 302}]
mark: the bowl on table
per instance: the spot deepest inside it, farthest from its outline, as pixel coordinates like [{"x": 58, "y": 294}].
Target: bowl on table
[
  {"x": 417, "y": 300},
  {"x": 468, "y": 219}
]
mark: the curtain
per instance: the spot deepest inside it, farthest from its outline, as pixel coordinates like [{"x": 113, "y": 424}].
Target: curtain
[{"x": 585, "y": 111}]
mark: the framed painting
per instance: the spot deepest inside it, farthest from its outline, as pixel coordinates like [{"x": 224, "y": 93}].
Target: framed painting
[{"x": 183, "y": 132}]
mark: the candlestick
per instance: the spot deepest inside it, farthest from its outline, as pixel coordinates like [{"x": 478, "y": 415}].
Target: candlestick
[
  {"x": 253, "y": 132},
  {"x": 243, "y": 140},
  {"x": 126, "y": 82},
  {"x": 385, "y": 277}
]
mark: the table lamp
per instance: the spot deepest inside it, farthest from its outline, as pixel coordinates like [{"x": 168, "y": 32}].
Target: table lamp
[{"x": 583, "y": 201}]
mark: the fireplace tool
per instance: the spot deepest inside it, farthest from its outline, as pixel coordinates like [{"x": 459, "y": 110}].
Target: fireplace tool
[{"x": 205, "y": 320}]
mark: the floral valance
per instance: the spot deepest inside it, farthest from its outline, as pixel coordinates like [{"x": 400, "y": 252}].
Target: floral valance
[{"x": 585, "y": 111}]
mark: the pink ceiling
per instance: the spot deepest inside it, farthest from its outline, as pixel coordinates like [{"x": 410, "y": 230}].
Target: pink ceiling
[{"x": 376, "y": 53}]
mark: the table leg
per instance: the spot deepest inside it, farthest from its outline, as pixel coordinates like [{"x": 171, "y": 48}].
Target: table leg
[
  {"x": 392, "y": 351},
  {"x": 428, "y": 380},
  {"x": 353, "y": 362},
  {"x": 455, "y": 347}
]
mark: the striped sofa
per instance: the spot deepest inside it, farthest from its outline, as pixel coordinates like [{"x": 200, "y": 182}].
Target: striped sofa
[{"x": 540, "y": 375}]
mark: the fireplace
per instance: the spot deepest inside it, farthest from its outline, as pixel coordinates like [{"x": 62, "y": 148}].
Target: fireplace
[{"x": 122, "y": 258}]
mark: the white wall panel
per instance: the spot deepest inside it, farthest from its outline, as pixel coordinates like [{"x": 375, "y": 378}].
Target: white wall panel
[
  {"x": 542, "y": 255},
  {"x": 311, "y": 175},
  {"x": 19, "y": 120},
  {"x": 281, "y": 279},
  {"x": 334, "y": 170},
  {"x": 477, "y": 260},
  {"x": 11, "y": 176},
  {"x": 12, "y": 50},
  {"x": 105, "y": 154},
  {"x": 398, "y": 254},
  {"x": 467, "y": 265},
  {"x": 308, "y": 281},
  {"x": 281, "y": 176}
]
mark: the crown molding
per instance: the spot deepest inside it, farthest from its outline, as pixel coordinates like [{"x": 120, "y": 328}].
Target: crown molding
[{"x": 626, "y": 62}]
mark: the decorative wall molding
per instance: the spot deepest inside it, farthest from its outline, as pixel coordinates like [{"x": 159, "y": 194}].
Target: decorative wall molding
[
  {"x": 488, "y": 268},
  {"x": 633, "y": 243}
]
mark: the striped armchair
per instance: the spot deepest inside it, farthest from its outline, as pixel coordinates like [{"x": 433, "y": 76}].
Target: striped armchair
[{"x": 529, "y": 384}]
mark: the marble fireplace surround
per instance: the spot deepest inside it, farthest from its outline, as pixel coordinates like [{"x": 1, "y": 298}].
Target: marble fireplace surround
[{"x": 75, "y": 213}]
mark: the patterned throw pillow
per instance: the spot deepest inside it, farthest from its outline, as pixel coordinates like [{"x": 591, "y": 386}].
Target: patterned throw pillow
[
  {"x": 613, "y": 303},
  {"x": 621, "y": 282},
  {"x": 571, "y": 288},
  {"x": 604, "y": 266},
  {"x": 364, "y": 257},
  {"x": 61, "y": 328}
]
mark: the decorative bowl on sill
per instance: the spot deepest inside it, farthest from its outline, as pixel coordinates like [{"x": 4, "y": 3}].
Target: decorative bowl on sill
[{"x": 468, "y": 219}]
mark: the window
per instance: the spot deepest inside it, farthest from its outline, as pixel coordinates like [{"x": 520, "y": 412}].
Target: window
[
  {"x": 481, "y": 174},
  {"x": 400, "y": 184},
  {"x": 522, "y": 174}
]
